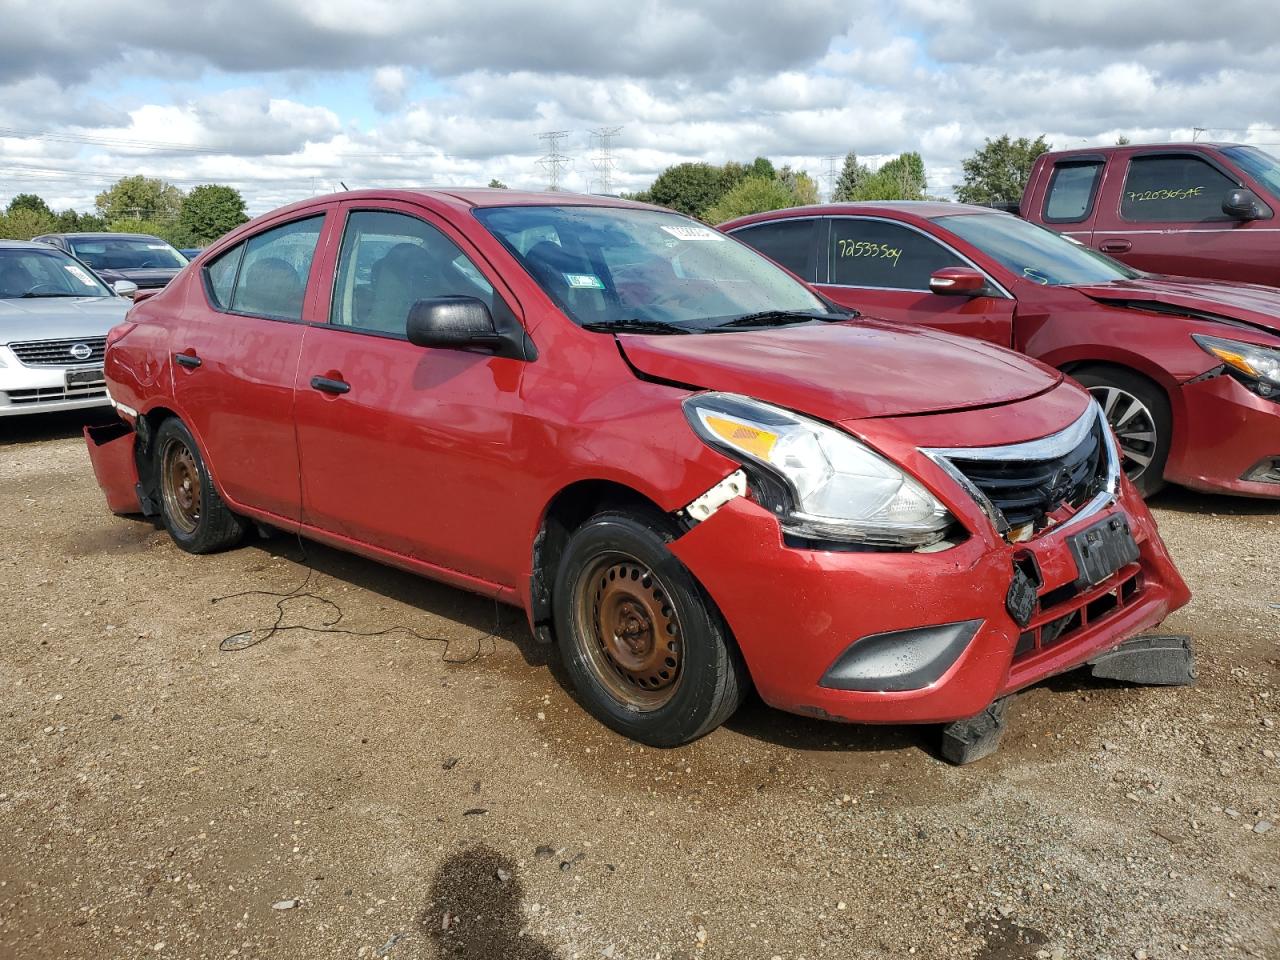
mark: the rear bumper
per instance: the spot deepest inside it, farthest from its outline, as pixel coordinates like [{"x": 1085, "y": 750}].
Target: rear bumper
[
  {"x": 795, "y": 612},
  {"x": 1226, "y": 432},
  {"x": 111, "y": 451}
]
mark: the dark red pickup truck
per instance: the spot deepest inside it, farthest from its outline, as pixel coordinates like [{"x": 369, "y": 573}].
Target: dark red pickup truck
[{"x": 1188, "y": 209}]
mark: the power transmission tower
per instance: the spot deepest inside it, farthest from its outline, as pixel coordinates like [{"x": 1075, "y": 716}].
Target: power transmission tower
[
  {"x": 830, "y": 176},
  {"x": 553, "y": 160},
  {"x": 604, "y": 160}
]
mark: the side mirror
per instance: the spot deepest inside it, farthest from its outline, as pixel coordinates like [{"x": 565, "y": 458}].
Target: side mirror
[
  {"x": 958, "y": 282},
  {"x": 1243, "y": 204},
  {"x": 125, "y": 288},
  {"x": 456, "y": 323}
]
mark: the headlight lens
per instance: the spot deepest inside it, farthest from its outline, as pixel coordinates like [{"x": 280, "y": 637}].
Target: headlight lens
[
  {"x": 1260, "y": 365},
  {"x": 839, "y": 489}
]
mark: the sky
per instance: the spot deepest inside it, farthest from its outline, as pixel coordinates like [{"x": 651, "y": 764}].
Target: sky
[{"x": 284, "y": 99}]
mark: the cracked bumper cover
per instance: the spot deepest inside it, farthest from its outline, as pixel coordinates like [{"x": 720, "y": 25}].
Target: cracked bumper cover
[{"x": 800, "y": 616}]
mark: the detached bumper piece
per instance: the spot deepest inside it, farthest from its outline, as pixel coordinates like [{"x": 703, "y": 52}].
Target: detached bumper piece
[
  {"x": 967, "y": 741},
  {"x": 1149, "y": 661},
  {"x": 111, "y": 451}
]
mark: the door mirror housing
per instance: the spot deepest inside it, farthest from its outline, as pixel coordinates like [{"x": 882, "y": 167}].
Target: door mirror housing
[
  {"x": 1243, "y": 204},
  {"x": 125, "y": 288},
  {"x": 958, "y": 282},
  {"x": 465, "y": 323}
]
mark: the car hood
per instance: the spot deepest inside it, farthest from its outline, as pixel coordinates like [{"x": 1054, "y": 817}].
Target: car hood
[
  {"x": 1248, "y": 303},
  {"x": 844, "y": 371},
  {"x": 57, "y": 318},
  {"x": 142, "y": 276}
]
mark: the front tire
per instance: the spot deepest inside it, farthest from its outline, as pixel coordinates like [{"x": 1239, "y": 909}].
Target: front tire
[
  {"x": 194, "y": 514},
  {"x": 1138, "y": 412},
  {"x": 646, "y": 648}
]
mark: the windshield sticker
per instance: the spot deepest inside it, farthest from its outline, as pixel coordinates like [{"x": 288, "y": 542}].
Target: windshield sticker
[
  {"x": 583, "y": 281},
  {"x": 79, "y": 273},
  {"x": 691, "y": 232},
  {"x": 157, "y": 246},
  {"x": 1184, "y": 194},
  {"x": 865, "y": 248}
]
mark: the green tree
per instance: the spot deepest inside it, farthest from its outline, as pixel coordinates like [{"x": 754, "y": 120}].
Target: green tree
[
  {"x": 902, "y": 178},
  {"x": 998, "y": 171},
  {"x": 72, "y": 221},
  {"x": 30, "y": 201},
  {"x": 758, "y": 194},
  {"x": 852, "y": 176},
  {"x": 139, "y": 198},
  {"x": 25, "y": 223},
  {"x": 167, "y": 230},
  {"x": 497, "y": 184},
  {"x": 207, "y": 212},
  {"x": 690, "y": 188},
  {"x": 1122, "y": 141}
]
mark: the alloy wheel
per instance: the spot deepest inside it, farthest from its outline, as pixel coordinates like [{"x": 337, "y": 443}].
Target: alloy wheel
[
  {"x": 1134, "y": 427},
  {"x": 628, "y": 631}
]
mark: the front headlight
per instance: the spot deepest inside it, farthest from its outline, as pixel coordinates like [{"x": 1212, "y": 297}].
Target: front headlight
[
  {"x": 836, "y": 488},
  {"x": 1260, "y": 366}
]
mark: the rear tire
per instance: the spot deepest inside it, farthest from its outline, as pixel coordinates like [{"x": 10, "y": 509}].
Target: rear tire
[
  {"x": 648, "y": 651},
  {"x": 1138, "y": 411},
  {"x": 193, "y": 512}
]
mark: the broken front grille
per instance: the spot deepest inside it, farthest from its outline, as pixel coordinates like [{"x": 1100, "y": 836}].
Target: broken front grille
[
  {"x": 1025, "y": 487},
  {"x": 1065, "y": 612},
  {"x": 60, "y": 353}
]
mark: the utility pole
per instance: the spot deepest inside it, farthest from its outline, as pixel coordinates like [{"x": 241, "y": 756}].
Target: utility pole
[
  {"x": 604, "y": 161},
  {"x": 830, "y": 176},
  {"x": 553, "y": 160},
  {"x": 1195, "y": 133}
]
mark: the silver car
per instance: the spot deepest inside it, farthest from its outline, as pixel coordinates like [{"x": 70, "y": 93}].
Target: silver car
[{"x": 54, "y": 318}]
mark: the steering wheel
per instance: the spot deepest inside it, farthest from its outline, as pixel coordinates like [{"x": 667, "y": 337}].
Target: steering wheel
[{"x": 37, "y": 286}]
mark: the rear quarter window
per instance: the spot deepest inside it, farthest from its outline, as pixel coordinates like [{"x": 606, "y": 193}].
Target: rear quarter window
[
  {"x": 1071, "y": 191},
  {"x": 1174, "y": 189},
  {"x": 222, "y": 275}
]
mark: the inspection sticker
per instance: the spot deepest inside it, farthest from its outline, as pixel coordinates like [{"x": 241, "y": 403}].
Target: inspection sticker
[
  {"x": 692, "y": 232},
  {"x": 584, "y": 281},
  {"x": 79, "y": 273}
]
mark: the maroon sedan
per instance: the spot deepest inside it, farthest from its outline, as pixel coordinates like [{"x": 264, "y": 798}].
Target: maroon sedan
[{"x": 1187, "y": 371}]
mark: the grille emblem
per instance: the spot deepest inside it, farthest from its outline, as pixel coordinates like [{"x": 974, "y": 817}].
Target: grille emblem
[{"x": 81, "y": 351}]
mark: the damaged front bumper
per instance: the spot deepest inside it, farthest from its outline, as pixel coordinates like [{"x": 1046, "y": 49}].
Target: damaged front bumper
[
  {"x": 1230, "y": 441},
  {"x": 941, "y": 644}
]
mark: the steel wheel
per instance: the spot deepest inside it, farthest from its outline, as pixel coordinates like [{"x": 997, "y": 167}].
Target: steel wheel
[
  {"x": 1134, "y": 426},
  {"x": 180, "y": 485},
  {"x": 628, "y": 631}
]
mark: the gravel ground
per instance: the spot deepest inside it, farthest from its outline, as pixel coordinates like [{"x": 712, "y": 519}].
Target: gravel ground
[{"x": 442, "y": 795}]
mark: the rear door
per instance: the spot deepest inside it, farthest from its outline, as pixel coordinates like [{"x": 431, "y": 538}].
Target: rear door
[
  {"x": 882, "y": 268},
  {"x": 409, "y": 449},
  {"x": 1167, "y": 218},
  {"x": 236, "y": 356}
]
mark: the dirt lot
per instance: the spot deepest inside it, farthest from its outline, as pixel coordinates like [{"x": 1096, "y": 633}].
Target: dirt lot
[{"x": 326, "y": 795}]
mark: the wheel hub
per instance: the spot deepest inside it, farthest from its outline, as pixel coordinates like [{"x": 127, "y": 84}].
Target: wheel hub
[
  {"x": 1133, "y": 424},
  {"x": 635, "y": 629},
  {"x": 181, "y": 486}
]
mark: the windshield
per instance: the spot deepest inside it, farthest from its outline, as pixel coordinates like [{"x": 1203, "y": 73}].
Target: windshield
[
  {"x": 1034, "y": 253},
  {"x": 26, "y": 272},
  {"x": 1258, "y": 164},
  {"x": 127, "y": 253},
  {"x": 611, "y": 266}
]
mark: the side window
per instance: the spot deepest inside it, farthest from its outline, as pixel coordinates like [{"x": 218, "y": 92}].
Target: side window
[
  {"x": 389, "y": 261},
  {"x": 273, "y": 275},
  {"x": 222, "y": 275},
  {"x": 1071, "y": 191},
  {"x": 788, "y": 242},
  {"x": 1174, "y": 189},
  {"x": 877, "y": 253}
]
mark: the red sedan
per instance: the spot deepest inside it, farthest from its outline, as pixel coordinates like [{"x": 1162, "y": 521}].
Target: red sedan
[
  {"x": 688, "y": 470},
  {"x": 1188, "y": 371}
]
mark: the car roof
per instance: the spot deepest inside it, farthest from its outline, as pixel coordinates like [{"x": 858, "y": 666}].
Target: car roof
[
  {"x": 903, "y": 209},
  {"x": 26, "y": 245},
  {"x": 104, "y": 235}
]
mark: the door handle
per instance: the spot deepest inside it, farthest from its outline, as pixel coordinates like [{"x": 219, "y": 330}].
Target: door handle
[
  {"x": 188, "y": 360},
  {"x": 327, "y": 385},
  {"x": 1115, "y": 246}
]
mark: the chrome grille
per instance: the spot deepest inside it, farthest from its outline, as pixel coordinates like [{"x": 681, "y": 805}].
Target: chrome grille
[
  {"x": 57, "y": 353},
  {"x": 1040, "y": 481},
  {"x": 79, "y": 391}
]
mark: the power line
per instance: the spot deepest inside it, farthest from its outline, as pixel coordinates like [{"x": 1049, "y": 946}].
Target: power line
[
  {"x": 604, "y": 160},
  {"x": 830, "y": 176},
  {"x": 553, "y": 160}
]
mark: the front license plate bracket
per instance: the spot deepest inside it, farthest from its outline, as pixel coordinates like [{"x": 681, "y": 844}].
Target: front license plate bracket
[
  {"x": 83, "y": 378},
  {"x": 1102, "y": 549}
]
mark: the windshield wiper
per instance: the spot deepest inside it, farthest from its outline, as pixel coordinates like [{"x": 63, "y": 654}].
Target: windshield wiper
[
  {"x": 634, "y": 325},
  {"x": 28, "y": 296},
  {"x": 769, "y": 318}
]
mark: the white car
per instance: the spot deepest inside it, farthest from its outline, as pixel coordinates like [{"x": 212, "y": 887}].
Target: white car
[{"x": 54, "y": 318}]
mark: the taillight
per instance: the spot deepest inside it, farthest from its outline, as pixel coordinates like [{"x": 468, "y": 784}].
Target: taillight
[{"x": 119, "y": 331}]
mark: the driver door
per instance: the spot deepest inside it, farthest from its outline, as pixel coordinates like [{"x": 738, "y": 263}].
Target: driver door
[{"x": 882, "y": 268}]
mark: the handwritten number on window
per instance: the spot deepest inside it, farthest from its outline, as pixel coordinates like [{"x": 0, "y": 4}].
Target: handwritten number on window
[{"x": 865, "y": 248}]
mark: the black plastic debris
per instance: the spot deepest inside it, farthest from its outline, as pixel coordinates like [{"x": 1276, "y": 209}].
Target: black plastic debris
[
  {"x": 1149, "y": 661},
  {"x": 966, "y": 741}
]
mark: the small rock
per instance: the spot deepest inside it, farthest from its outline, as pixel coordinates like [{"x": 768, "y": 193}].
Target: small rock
[
  {"x": 544, "y": 852},
  {"x": 159, "y": 946},
  {"x": 1262, "y": 826},
  {"x": 116, "y": 716},
  {"x": 1139, "y": 954},
  {"x": 475, "y": 812},
  {"x": 1109, "y": 745},
  {"x": 502, "y": 875},
  {"x": 1005, "y": 910},
  {"x": 1231, "y": 812},
  {"x": 567, "y": 865},
  {"x": 284, "y": 904},
  {"x": 449, "y": 764}
]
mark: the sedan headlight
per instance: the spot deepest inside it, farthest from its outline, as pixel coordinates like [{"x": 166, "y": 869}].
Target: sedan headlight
[
  {"x": 835, "y": 487},
  {"x": 1258, "y": 366}
]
